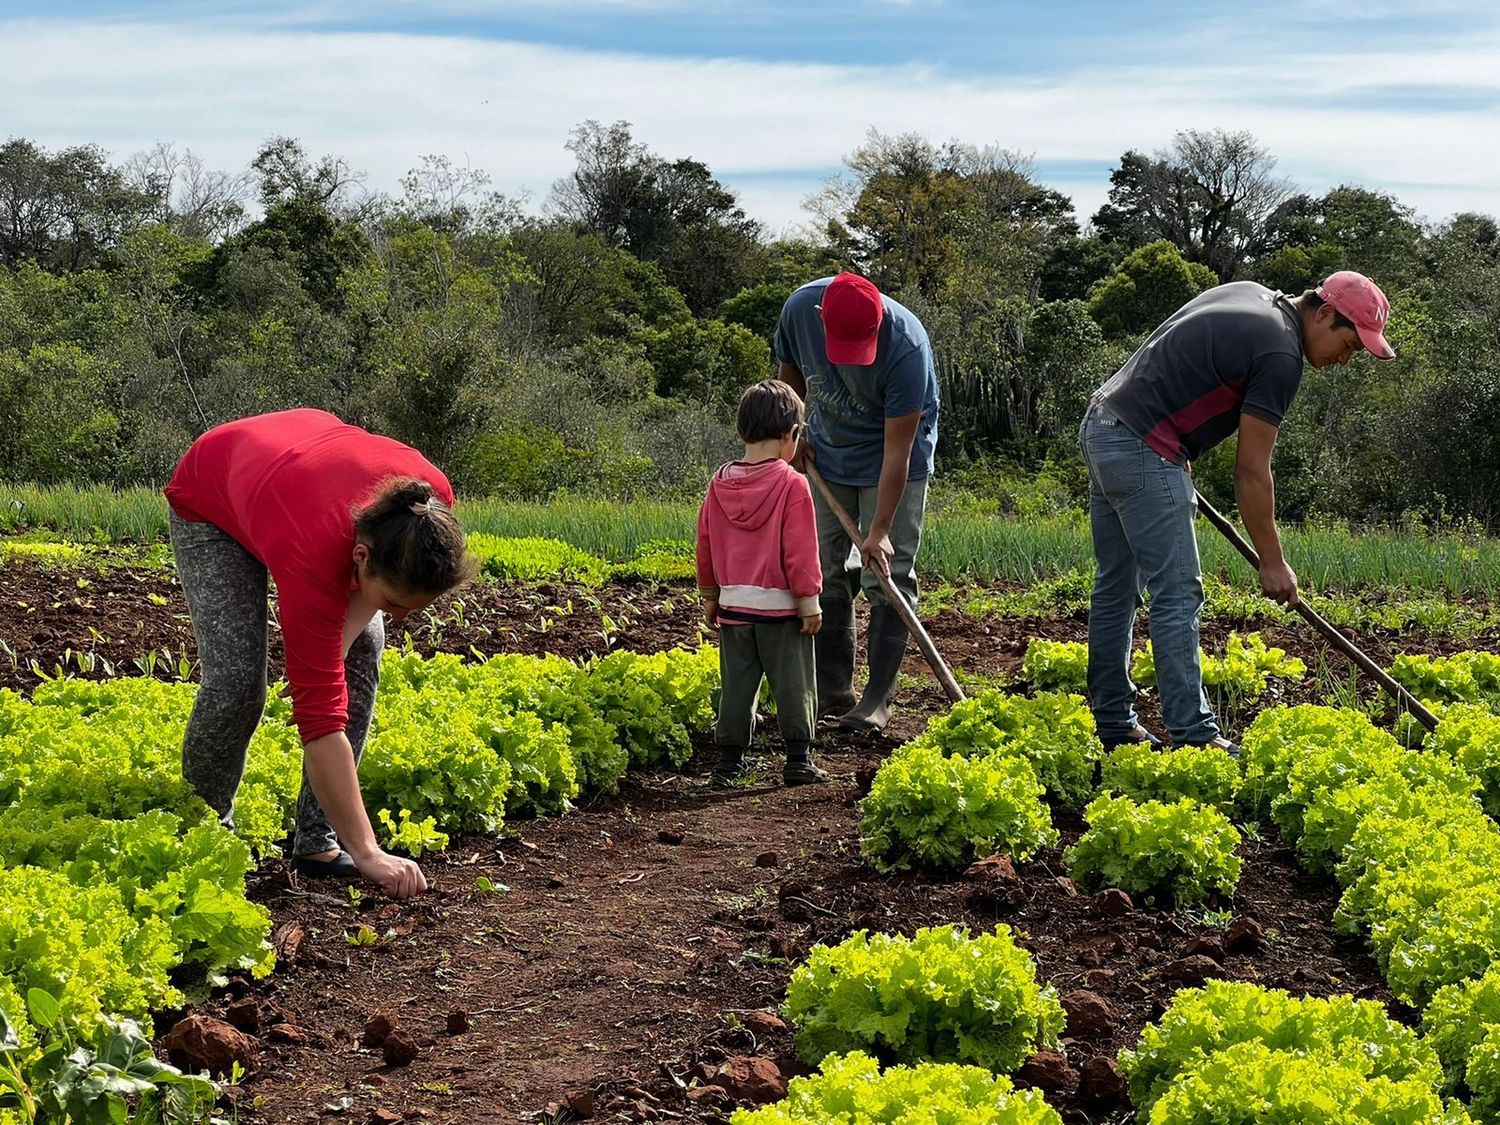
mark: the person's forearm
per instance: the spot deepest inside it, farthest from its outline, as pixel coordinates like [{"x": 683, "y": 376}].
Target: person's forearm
[
  {"x": 791, "y": 374},
  {"x": 892, "y": 486},
  {"x": 335, "y": 783},
  {"x": 1256, "y": 495}
]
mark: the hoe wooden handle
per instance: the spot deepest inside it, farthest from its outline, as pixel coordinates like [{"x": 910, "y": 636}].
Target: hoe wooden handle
[
  {"x": 1406, "y": 699},
  {"x": 894, "y": 596}
]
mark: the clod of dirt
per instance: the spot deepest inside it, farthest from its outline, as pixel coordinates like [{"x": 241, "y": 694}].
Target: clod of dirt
[
  {"x": 1114, "y": 902},
  {"x": 1205, "y": 947},
  {"x": 750, "y": 1078},
  {"x": 1090, "y": 958},
  {"x": 1148, "y": 940},
  {"x": 782, "y": 946},
  {"x": 670, "y": 836},
  {"x": 1098, "y": 978},
  {"x": 767, "y": 859},
  {"x": 555, "y": 882},
  {"x": 1100, "y": 1079},
  {"x": 399, "y": 1048},
  {"x": 288, "y": 1033},
  {"x": 715, "y": 1096},
  {"x": 243, "y": 1014},
  {"x": 580, "y": 1103},
  {"x": 864, "y": 778},
  {"x": 991, "y": 869},
  {"x": 1193, "y": 970},
  {"x": 1089, "y": 1014},
  {"x": 1049, "y": 1070},
  {"x": 1069, "y": 887},
  {"x": 1244, "y": 936},
  {"x": 764, "y": 1023},
  {"x": 377, "y": 1028},
  {"x": 384, "y": 1116},
  {"x": 203, "y": 1043},
  {"x": 458, "y": 1021}
]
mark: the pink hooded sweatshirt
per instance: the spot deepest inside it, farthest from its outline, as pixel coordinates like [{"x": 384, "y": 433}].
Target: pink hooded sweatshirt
[{"x": 758, "y": 543}]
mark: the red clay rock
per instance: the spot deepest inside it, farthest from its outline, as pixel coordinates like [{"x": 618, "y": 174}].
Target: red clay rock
[
  {"x": 243, "y": 1014},
  {"x": 399, "y": 1048},
  {"x": 580, "y": 1102},
  {"x": 288, "y": 1033},
  {"x": 202, "y": 1043},
  {"x": 377, "y": 1027},
  {"x": 715, "y": 1096},
  {"x": 1049, "y": 1070},
  {"x": 384, "y": 1116},
  {"x": 764, "y": 1023},
  {"x": 1205, "y": 947},
  {"x": 1098, "y": 978},
  {"x": 750, "y": 1078},
  {"x": 1244, "y": 936},
  {"x": 1100, "y": 1080},
  {"x": 1114, "y": 902},
  {"x": 1089, "y": 1014},
  {"x": 992, "y": 868},
  {"x": 1193, "y": 970}
]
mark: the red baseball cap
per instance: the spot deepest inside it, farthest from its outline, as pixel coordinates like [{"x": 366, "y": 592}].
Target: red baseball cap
[
  {"x": 852, "y": 310},
  {"x": 1361, "y": 300}
]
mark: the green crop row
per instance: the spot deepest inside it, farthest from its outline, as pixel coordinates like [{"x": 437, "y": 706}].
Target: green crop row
[
  {"x": 115, "y": 877},
  {"x": 1244, "y": 671},
  {"x": 959, "y": 543}
]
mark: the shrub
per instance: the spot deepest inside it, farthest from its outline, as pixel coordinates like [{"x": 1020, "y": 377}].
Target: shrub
[
  {"x": 1184, "y": 848},
  {"x": 939, "y": 996},
  {"x": 926, "y": 810},
  {"x": 1206, "y": 774},
  {"x": 852, "y": 1090}
]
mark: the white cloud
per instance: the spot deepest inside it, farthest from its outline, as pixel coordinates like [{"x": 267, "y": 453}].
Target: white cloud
[{"x": 383, "y": 100}]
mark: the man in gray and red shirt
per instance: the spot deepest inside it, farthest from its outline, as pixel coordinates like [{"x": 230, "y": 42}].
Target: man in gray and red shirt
[{"x": 1228, "y": 361}]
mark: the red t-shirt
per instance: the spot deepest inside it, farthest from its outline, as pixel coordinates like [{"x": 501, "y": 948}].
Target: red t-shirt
[{"x": 286, "y": 486}]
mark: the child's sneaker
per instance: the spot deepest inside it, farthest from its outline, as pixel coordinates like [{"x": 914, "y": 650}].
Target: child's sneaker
[{"x": 800, "y": 769}]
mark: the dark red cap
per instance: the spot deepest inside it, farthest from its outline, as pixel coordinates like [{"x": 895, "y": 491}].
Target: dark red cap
[{"x": 852, "y": 309}]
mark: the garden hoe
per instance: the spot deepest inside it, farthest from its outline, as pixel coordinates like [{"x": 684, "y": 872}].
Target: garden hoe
[
  {"x": 1404, "y": 698},
  {"x": 895, "y": 597}
]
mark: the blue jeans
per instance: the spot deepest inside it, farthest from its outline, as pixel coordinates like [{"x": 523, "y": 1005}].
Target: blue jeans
[{"x": 1141, "y": 509}]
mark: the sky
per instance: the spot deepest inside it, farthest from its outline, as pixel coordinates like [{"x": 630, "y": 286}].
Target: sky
[{"x": 1403, "y": 98}]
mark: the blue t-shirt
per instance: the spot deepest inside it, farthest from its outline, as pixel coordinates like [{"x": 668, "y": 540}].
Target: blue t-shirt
[{"x": 848, "y": 406}]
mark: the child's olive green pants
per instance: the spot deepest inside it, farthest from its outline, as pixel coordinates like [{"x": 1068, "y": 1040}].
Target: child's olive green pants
[{"x": 783, "y": 655}]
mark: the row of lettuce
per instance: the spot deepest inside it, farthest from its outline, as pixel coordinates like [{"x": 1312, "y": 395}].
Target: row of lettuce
[
  {"x": 119, "y": 890},
  {"x": 1404, "y": 830}
]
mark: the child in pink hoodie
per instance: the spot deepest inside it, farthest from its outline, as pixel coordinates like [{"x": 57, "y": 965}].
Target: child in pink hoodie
[{"x": 759, "y": 576}]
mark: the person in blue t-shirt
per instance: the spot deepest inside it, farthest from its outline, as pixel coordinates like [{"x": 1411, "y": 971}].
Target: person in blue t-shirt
[{"x": 863, "y": 364}]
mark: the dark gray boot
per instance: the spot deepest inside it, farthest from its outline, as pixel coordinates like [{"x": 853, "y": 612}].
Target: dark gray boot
[
  {"x": 885, "y": 647},
  {"x": 800, "y": 769},
  {"x": 731, "y": 767},
  {"x": 833, "y": 648}
]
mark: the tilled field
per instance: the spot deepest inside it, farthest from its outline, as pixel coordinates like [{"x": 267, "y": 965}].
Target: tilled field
[{"x": 634, "y": 945}]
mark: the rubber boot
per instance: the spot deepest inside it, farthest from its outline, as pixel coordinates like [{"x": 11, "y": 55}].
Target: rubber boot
[
  {"x": 886, "y": 646},
  {"x": 800, "y": 769},
  {"x": 731, "y": 767},
  {"x": 833, "y": 649}
]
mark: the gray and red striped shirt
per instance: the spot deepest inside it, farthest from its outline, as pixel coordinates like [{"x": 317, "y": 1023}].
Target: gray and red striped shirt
[{"x": 1233, "y": 349}]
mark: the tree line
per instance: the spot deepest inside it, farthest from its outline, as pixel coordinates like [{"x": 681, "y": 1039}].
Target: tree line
[{"x": 599, "y": 345}]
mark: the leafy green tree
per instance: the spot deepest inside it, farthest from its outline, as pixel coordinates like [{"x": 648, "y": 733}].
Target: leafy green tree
[
  {"x": 65, "y": 210},
  {"x": 1151, "y": 284},
  {"x": 1211, "y": 195}
]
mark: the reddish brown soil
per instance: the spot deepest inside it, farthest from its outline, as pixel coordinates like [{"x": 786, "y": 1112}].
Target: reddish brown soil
[{"x": 620, "y": 962}]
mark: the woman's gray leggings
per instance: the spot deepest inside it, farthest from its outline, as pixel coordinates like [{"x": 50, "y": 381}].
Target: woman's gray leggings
[{"x": 226, "y": 590}]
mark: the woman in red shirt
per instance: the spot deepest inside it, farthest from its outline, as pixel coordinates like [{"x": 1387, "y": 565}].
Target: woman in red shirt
[{"x": 350, "y": 525}]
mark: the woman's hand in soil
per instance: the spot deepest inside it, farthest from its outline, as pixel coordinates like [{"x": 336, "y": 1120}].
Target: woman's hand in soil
[{"x": 397, "y": 877}]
